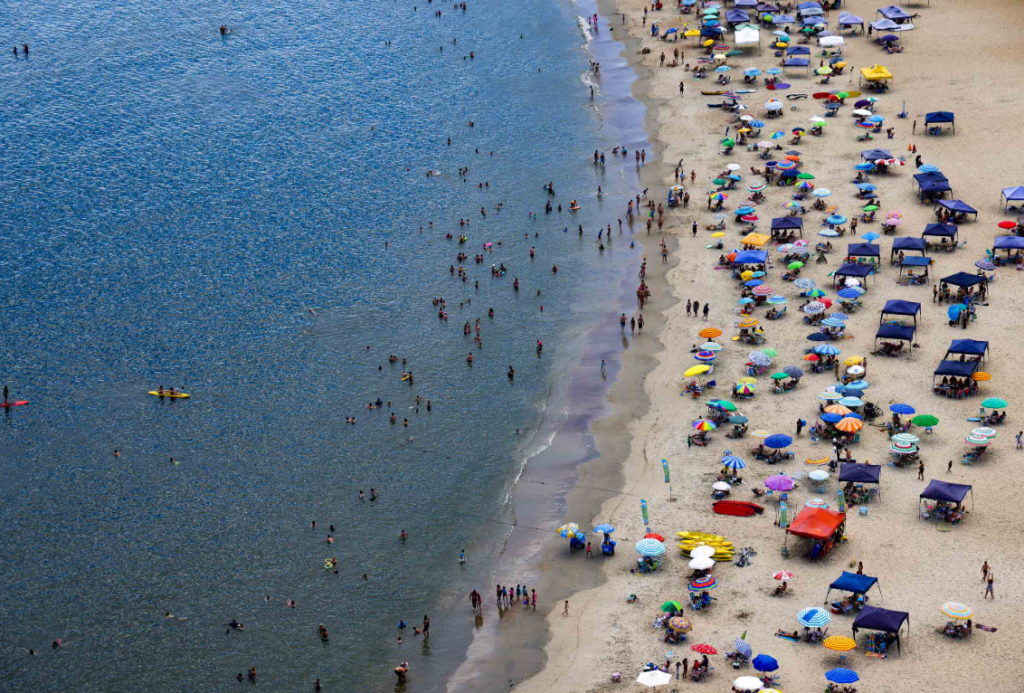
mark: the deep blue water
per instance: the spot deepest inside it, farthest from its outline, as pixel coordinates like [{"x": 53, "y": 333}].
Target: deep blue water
[{"x": 171, "y": 205}]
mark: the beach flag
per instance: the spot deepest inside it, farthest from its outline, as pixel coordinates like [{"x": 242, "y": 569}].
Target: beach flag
[
  {"x": 783, "y": 515},
  {"x": 842, "y": 501},
  {"x": 643, "y": 509},
  {"x": 664, "y": 465}
]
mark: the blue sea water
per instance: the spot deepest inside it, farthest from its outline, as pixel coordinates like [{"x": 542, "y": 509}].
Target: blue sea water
[{"x": 172, "y": 204}]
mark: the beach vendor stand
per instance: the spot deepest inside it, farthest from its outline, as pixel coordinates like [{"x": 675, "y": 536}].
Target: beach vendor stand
[{"x": 607, "y": 543}]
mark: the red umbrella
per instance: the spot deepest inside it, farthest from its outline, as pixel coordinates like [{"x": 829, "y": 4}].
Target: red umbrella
[
  {"x": 828, "y": 303},
  {"x": 653, "y": 535},
  {"x": 704, "y": 649},
  {"x": 821, "y": 95},
  {"x": 812, "y": 357},
  {"x": 749, "y": 217},
  {"x": 1007, "y": 225}
]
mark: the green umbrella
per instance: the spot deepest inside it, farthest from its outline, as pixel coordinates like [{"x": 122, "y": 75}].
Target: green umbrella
[
  {"x": 779, "y": 376},
  {"x": 770, "y": 352},
  {"x": 729, "y": 142},
  {"x": 718, "y": 181},
  {"x": 738, "y": 419},
  {"x": 994, "y": 403},
  {"x": 924, "y": 420},
  {"x": 723, "y": 404},
  {"x": 671, "y": 606},
  {"x": 807, "y": 30},
  {"x": 871, "y": 208},
  {"x": 734, "y": 52},
  {"x": 843, "y": 95},
  {"x": 795, "y": 265},
  {"x": 805, "y": 176}
]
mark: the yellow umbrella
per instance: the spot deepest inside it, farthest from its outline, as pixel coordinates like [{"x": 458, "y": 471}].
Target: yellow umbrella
[
  {"x": 840, "y": 643},
  {"x": 707, "y": 43},
  {"x": 780, "y": 44},
  {"x": 850, "y": 425},
  {"x": 696, "y": 370},
  {"x": 690, "y": 33},
  {"x": 760, "y": 434},
  {"x": 755, "y": 239},
  {"x": 747, "y": 380},
  {"x": 747, "y": 323},
  {"x": 981, "y": 376},
  {"x": 744, "y": 130},
  {"x": 853, "y": 360},
  {"x": 817, "y": 460},
  {"x": 747, "y": 275},
  {"x": 838, "y": 409},
  {"x": 721, "y": 234},
  {"x": 840, "y": 64}
]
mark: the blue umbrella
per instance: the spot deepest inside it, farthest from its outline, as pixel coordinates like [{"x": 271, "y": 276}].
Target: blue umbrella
[
  {"x": 746, "y": 209},
  {"x": 777, "y": 300},
  {"x": 849, "y": 293},
  {"x": 743, "y": 647},
  {"x": 813, "y": 617},
  {"x": 604, "y": 529},
  {"x": 778, "y": 441},
  {"x": 828, "y": 233},
  {"x": 764, "y": 663},
  {"x": 826, "y": 350},
  {"x": 842, "y": 675},
  {"x": 901, "y": 408},
  {"x": 954, "y": 311},
  {"x": 851, "y": 415},
  {"x": 745, "y": 301},
  {"x": 858, "y": 385},
  {"x": 735, "y": 176},
  {"x": 754, "y": 282},
  {"x": 831, "y": 418},
  {"x": 870, "y": 236},
  {"x": 867, "y": 187},
  {"x": 756, "y": 123},
  {"x": 851, "y": 401},
  {"x": 751, "y": 72},
  {"x": 865, "y": 166},
  {"x": 759, "y": 273},
  {"x": 928, "y": 168},
  {"x": 836, "y": 219},
  {"x": 840, "y": 316},
  {"x": 722, "y": 68},
  {"x": 733, "y": 462},
  {"x": 774, "y": 70},
  {"x": 832, "y": 322},
  {"x": 818, "y": 337},
  {"x": 876, "y": 119}
]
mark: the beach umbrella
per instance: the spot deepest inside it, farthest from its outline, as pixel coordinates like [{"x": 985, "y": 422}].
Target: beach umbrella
[
  {"x": 757, "y": 124},
  {"x": 985, "y": 265},
  {"x": 703, "y": 425},
  {"x": 822, "y": 192},
  {"x": 831, "y": 418},
  {"x": 901, "y": 408},
  {"x": 749, "y": 321},
  {"x": 870, "y": 208},
  {"x": 719, "y": 486},
  {"x": 805, "y": 176},
  {"x": 776, "y": 300},
  {"x": 818, "y": 337},
  {"x": 842, "y": 675},
  {"x": 763, "y": 290},
  {"x": 759, "y": 434},
  {"x": 814, "y": 307},
  {"x": 744, "y": 388},
  {"x": 718, "y": 234},
  {"x": 976, "y": 441},
  {"x": 812, "y": 357},
  {"x": 757, "y": 188},
  {"x": 994, "y": 403},
  {"x": 671, "y": 606},
  {"x": 858, "y": 385},
  {"x": 718, "y": 196},
  {"x": 774, "y": 71},
  {"x": 706, "y": 582},
  {"x": 751, "y": 72},
  {"x": 705, "y": 551},
  {"x": 723, "y": 404},
  {"x": 816, "y": 293},
  {"x": 902, "y": 449},
  {"x": 759, "y": 358},
  {"x": 851, "y": 401},
  {"x": 779, "y": 482},
  {"x": 867, "y": 187},
  {"x": 650, "y": 547},
  {"x": 870, "y": 236},
  {"x": 701, "y": 563},
  {"x": 695, "y": 371},
  {"x": 839, "y": 643},
  {"x": 849, "y": 294},
  {"x": 832, "y": 322},
  {"x": 710, "y": 333},
  {"x": 840, "y": 409},
  {"x": 723, "y": 68},
  {"x": 823, "y": 70},
  {"x": 733, "y": 462},
  {"x": 718, "y": 181},
  {"x": 805, "y": 283},
  {"x": 793, "y": 372},
  {"x": 770, "y": 352},
  {"x": 746, "y": 300},
  {"x": 711, "y": 346},
  {"x": 818, "y": 475},
  {"x": 828, "y": 233},
  {"x": 984, "y": 432},
  {"x": 568, "y": 530},
  {"x": 817, "y": 460},
  {"x": 777, "y": 135},
  {"x": 849, "y": 425},
  {"x": 750, "y": 218},
  {"x": 784, "y": 574},
  {"x": 763, "y": 662},
  {"x": 654, "y": 678},
  {"x": 905, "y": 438},
  {"x": 747, "y": 683},
  {"x": 778, "y": 441},
  {"x": 816, "y": 503},
  {"x": 1007, "y": 224},
  {"x": 740, "y": 419},
  {"x": 836, "y": 219},
  {"x": 604, "y": 529},
  {"x": 875, "y": 118},
  {"x": 813, "y": 617},
  {"x": 743, "y": 647},
  {"x": 956, "y": 610},
  {"x": 864, "y": 166},
  {"x": 680, "y": 624},
  {"x": 704, "y": 649},
  {"x": 706, "y": 356},
  {"x": 796, "y": 264}
]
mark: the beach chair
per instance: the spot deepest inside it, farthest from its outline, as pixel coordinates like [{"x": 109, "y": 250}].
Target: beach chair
[{"x": 863, "y": 512}]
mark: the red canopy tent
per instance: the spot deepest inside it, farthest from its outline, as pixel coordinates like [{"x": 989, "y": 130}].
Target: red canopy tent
[{"x": 816, "y": 523}]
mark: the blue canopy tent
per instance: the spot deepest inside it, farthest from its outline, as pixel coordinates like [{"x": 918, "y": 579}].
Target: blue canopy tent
[
  {"x": 809, "y": 5},
  {"x": 850, "y": 20},
  {"x": 959, "y": 207},
  {"x": 956, "y": 369},
  {"x": 851, "y": 582},
  {"x": 1008, "y": 243},
  {"x": 911, "y": 262},
  {"x": 788, "y": 224},
  {"x": 797, "y": 62},
  {"x": 897, "y": 331},
  {"x": 767, "y": 7},
  {"x": 945, "y": 491},
  {"x": 943, "y": 231},
  {"x": 781, "y": 19},
  {"x": 906, "y": 245},
  {"x": 900, "y": 333},
  {"x": 853, "y": 269},
  {"x": 751, "y": 257},
  {"x": 798, "y": 50},
  {"x": 934, "y": 190},
  {"x": 967, "y": 347},
  {"x": 884, "y": 620},
  {"x": 745, "y": 3},
  {"x": 874, "y": 154},
  {"x": 863, "y": 250},
  {"x": 885, "y": 25},
  {"x": 899, "y": 307},
  {"x": 712, "y": 31},
  {"x": 933, "y": 176},
  {"x": 1013, "y": 194},
  {"x": 737, "y": 17},
  {"x": 894, "y": 13},
  {"x": 938, "y": 118},
  {"x": 963, "y": 279},
  {"x": 861, "y": 474}
]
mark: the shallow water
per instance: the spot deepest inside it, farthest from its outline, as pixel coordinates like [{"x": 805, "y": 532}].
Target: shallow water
[{"x": 173, "y": 204}]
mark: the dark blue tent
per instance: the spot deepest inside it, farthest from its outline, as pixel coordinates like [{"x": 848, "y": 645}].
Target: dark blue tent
[
  {"x": 940, "y": 117},
  {"x": 948, "y": 230},
  {"x": 851, "y": 582},
  {"x": 737, "y": 16},
  {"x": 853, "y": 269},
  {"x": 934, "y": 188},
  {"x": 745, "y": 3},
  {"x": 1008, "y": 243},
  {"x": 812, "y": 20},
  {"x": 970, "y": 347},
  {"x": 907, "y": 244},
  {"x": 959, "y": 207},
  {"x": 783, "y": 19},
  {"x": 900, "y": 307},
  {"x": 798, "y": 50},
  {"x": 957, "y": 369},
  {"x": 767, "y": 7},
  {"x": 787, "y": 224},
  {"x": 946, "y": 491},
  {"x": 862, "y": 250},
  {"x": 963, "y": 279},
  {"x": 894, "y": 13},
  {"x": 885, "y": 25},
  {"x": 711, "y": 31},
  {"x": 808, "y": 5},
  {"x": 796, "y": 62},
  {"x": 902, "y": 333},
  {"x": 860, "y": 473},
  {"x": 912, "y": 262},
  {"x": 884, "y": 620},
  {"x": 934, "y": 176},
  {"x": 1013, "y": 194},
  {"x": 873, "y": 154},
  {"x": 751, "y": 257}
]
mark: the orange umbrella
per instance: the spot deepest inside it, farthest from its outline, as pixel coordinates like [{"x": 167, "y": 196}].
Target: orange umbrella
[
  {"x": 710, "y": 333},
  {"x": 792, "y": 157},
  {"x": 840, "y": 643},
  {"x": 849, "y": 425},
  {"x": 838, "y": 409},
  {"x": 981, "y": 376}
]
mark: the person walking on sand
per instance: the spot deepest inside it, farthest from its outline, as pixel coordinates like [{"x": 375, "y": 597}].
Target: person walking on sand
[
  {"x": 632, "y": 325},
  {"x": 688, "y": 306},
  {"x": 988, "y": 588},
  {"x": 920, "y": 471},
  {"x": 622, "y": 323},
  {"x": 693, "y": 177},
  {"x": 696, "y": 308},
  {"x": 984, "y": 571},
  {"x": 533, "y": 599},
  {"x": 800, "y": 423},
  {"x": 949, "y": 469},
  {"x": 566, "y": 612},
  {"x": 589, "y": 553},
  {"x": 1020, "y": 440},
  {"x": 694, "y": 228},
  {"x": 705, "y": 312}
]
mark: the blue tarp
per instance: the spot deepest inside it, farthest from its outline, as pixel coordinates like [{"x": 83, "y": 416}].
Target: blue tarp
[
  {"x": 1008, "y": 243},
  {"x": 798, "y": 50},
  {"x": 862, "y": 250},
  {"x": 860, "y": 474},
  {"x": 958, "y": 369},
  {"x": 737, "y": 16},
  {"x": 894, "y": 13},
  {"x": 796, "y": 62},
  {"x": 949, "y": 230},
  {"x": 900, "y": 307},
  {"x": 963, "y": 279},
  {"x": 851, "y": 582},
  {"x": 939, "y": 117},
  {"x": 873, "y": 154},
  {"x": 971, "y": 347},
  {"x": 889, "y": 331},
  {"x": 751, "y": 257},
  {"x": 945, "y": 491},
  {"x": 787, "y": 223},
  {"x": 958, "y": 206}
]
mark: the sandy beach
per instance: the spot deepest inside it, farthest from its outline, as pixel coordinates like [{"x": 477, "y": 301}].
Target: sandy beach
[{"x": 918, "y": 567}]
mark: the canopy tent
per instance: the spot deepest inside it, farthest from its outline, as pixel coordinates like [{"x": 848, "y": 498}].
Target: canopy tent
[
  {"x": 1008, "y": 243},
  {"x": 833, "y": 42},
  {"x": 853, "y": 269},
  {"x": 796, "y": 62},
  {"x": 959, "y": 207},
  {"x": 934, "y": 189},
  {"x": 875, "y": 154},
  {"x": 809, "y": 5},
  {"x": 885, "y": 25},
  {"x": 745, "y": 3},
  {"x": 737, "y": 17},
  {"x": 968, "y": 347},
  {"x": 939, "y": 117},
  {"x": 712, "y": 31},
  {"x": 767, "y": 7},
  {"x": 747, "y": 36},
  {"x": 911, "y": 262},
  {"x": 798, "y": 50},
  {"x": 894, "y": 13},
  {"x": 813, "y": 20},
  {"x": 900, "y": 307},
  {"x": 860, "y": 473},
  {"x": 945, "y": 491},
  {"x": 781, "y": 19},
  {"x": 847, "y": 20},
  {"x": 1013, "y": 194},
  {"x": 875, "y": 73},
  {"x": 947, "y": 230},
  {"x": 957, "y": 369},
  {"x": 751, "y": 257},
  {"x": 963, "y": 279},
  {"x": 862, "y": 250},
  {"x": 884, "y": 620},
  {"x": 787, "y": 224},
  {"x": 852, "y": 582},
  {"x": 933, "y": 176},
  {"x": 902, "y": 333},
  {"x": 907, "y": 245},
  {"x": 816, "y": 523}
]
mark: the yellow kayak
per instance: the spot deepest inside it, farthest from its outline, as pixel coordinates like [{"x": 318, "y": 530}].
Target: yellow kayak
[{"x": 179, "y": 395}]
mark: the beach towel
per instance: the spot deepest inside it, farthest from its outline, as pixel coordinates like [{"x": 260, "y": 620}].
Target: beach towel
[
  {"x": 786, "y": 637},
  {"x": 987, "y": 629}
]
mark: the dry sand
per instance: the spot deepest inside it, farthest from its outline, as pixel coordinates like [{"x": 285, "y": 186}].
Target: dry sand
[{"x": 961, "y": 57}]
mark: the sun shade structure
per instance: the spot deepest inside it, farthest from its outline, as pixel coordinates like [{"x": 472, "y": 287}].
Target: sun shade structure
[
  {"x": 959, "y": 207},
  {"x": 908, "y": 245},
  {"x": 938, "y": 117},
  {"x": 850, "y": 20},
  {"x": 862, "y": 474},
  {"x": 751, "y": 257},
  {"x": 852, "y": 269},
  {"x": 1008, "y": 243},
  {"x": 737, "y": 17},
  {"x": 895, "y": 13},
  {"x": 895, "y": 331},
  {"x": 747, "y": 36},
  {"x": 876, "y": 73},
  {"x": 816, "y": 523},
  {"x": 862, "y": 250},
  {"x": 963, "y": 279},
  {"x": 875, "y": 154},
  {"x": 1014, "y": 193},
  {"x": 851, "y": 582},
  {"x": 884, "y": 620},
  {"x": 941, "y": 231},
  {"x": 945, "y": 491}
]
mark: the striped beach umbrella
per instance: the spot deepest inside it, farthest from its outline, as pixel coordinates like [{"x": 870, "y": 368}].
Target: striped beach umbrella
[
  {"x": 905, "y": 438},
  {"x": 838, "y": 409},
  {"x": 733, "y": 462},
  {"x": 710, "y": 333},
  {"x": 704, "y": 583},
  {"x": 984, "y": 432},
  {"x": 650, "y": 548},
  {"x": 705, "y": 356},
  {"x": 816, "y": 503},
  {"x": 743, "y": 647},
  {"x": 957, "y": 610},
  {"x": 763, "y": 290},
  {"x": 759, "y": 434},
  {"x": 745, "y": 388},
  {"x": 849, "y": 425},
  {"x": 816, "y": 461},
  {"x": 813, "y": 617},
  {"x": 703, "y": 425},
  {"x": 568, "y": 530},
  {"x": 779, "y": 482},
  {"x": 680, "y": 624},
  {"x": 826, "y": 350},
  {"x": 783, "y": 575}
]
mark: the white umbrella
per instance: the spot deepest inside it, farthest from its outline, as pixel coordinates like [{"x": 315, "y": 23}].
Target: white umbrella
[
  {"x": 746, "y": 118},
  {"x": 861, "y": 112},
  {"x": 748, "y": 683},
  {"x": 654, "y": 678},
  {"x": 855, "y": 370},
  {"x": 733, "y": 167},
  {"x": 814, "y": 307},
  {"x": 721, "y": 486},
  {"x": 818, "y": 475},
  {"x": 701, "y": 563},
  {"x": 703, "y": 551}
]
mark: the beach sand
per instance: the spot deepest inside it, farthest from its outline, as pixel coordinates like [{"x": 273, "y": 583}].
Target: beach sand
[{"x": 918, "y": 567}]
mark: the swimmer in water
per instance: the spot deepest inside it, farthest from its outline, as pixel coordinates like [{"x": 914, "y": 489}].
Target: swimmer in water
[{"x": 404, "y": 535}]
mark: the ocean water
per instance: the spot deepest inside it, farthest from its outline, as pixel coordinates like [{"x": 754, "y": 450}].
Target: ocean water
[{"x": 172, "y": 205}]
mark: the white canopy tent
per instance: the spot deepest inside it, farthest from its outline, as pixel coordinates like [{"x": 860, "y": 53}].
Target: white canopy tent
[{"x": 748, "y": 36}]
